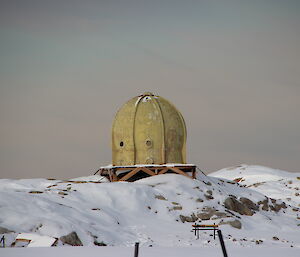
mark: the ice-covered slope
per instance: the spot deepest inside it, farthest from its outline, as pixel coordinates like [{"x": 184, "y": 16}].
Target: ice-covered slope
[
  {"x": 277, "y": 184},
  {"x": 154, "y": 211}
]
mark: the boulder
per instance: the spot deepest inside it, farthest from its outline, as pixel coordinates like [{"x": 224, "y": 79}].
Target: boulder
[
  {"x": 251, "y": 205},
  {"x": 209, "y": 192},
  {"x": 204, "y": 215},
  {"x": 221, "y": 214},
  {"x": 234, "y": 223},
  {"x": 264, "y": 204},
  {"x": 209, "y": 212},
  {"x": 160, "y": 197},
  {"x": 191, "y": 218},
  {"x": 71, "y": 239},
  {"x": 235, "y": 205},
  {"x": 277, "y": 207},
  {"x": 208, "y": 197}
]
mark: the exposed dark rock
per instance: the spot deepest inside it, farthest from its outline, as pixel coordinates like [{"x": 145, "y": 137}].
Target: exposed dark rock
[
  {"x": 233, "y": 214},
  {"x": 264, "y": 204},
  {"x": 160, "y": 197},
  {"x": 177, "y": 208},
  {"x": 234, "y": 205},
  {"x": 207, "y": 183},
  {"x": 209, "y": 192},
  {"x": 259, "y": 242},
  {"x": 277, "y": 207},
  {"x": 221, "y": 214},
  {"x": 99, "y": 243},
  {"x": 71, "y": 239},
  {"x": 191, "y": 218},
  {"x": 208, "y": 197},
  {"x": 199, "y": 200},
  {"x": 208, "y": 212},
  {"x": 208, "y": 209},
  {"x": 257, "y": 184},
  {"x": 62, "y": 193},
  {"x": 204, "y": 215},
  {"x": 251, "y": 205},
  {"x": 231, "y": 182}
]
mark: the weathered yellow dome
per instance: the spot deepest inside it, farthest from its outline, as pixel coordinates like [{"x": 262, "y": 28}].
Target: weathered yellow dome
[{"x": 148, "y": 130}]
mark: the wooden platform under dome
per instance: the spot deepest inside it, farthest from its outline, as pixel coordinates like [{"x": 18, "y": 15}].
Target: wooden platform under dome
[{"x": 133, "y": 173}]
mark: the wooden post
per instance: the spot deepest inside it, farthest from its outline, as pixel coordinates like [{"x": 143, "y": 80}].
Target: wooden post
[
  {"x": 136, "y": 249},
  {"x": 214, "y": 232},
  {"x": 222, "y": 243}
]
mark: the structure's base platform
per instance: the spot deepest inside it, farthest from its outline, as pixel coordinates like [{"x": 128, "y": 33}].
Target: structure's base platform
[{"x": 133, "y": 173}]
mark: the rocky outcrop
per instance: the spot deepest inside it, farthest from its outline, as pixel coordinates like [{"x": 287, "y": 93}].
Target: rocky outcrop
[
  {"x": 208, "y": 195},
  {"x": 277, "y": 207},
  {"x": 233, "y": 204},
  {"x": 271, "y": 205},
  {"x": 204, "y": 215},
  {"x": 264, "y": 203},
  {"x": 245, "y": 206},
  {"x": 71, "y": 239},
  {"x": 191, "y": 218},
  {"x": 211, "y": 213},
  {"x": 160, "y": 197},
  {"x": 251, "y": 205}
]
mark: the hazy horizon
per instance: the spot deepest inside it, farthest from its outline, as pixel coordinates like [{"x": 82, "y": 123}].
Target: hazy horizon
[{"x": 232, "y": 68}]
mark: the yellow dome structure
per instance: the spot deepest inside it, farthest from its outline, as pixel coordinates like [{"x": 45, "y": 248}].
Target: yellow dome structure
[
  {"x": 148, "y": 130},
  {"x": 148, "y": 139}
]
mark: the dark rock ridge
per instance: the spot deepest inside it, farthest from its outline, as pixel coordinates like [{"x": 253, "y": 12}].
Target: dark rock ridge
[{"x": 245, "y": 206}]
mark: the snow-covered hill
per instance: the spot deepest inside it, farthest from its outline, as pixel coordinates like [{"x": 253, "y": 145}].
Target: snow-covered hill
[
  {"x": 277, "y": 184},
  {"x": 156, "y": 210}
]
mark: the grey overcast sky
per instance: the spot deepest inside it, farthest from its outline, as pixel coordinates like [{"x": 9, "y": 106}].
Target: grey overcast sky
[{"x": 231, "y": 67}]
